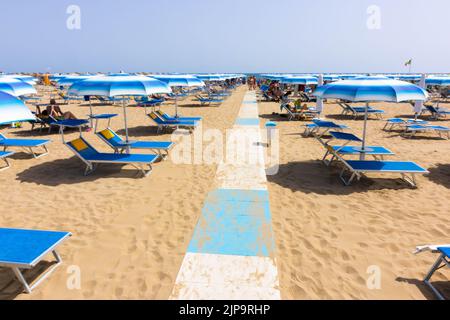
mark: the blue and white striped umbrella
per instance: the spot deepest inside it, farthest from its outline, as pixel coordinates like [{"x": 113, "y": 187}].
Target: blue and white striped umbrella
[
  {"x": 13, "y": 109},
  {"x": 70, "y": 80},
  {"x": 112, "y": 86},
  {"x": 371, "y": 89},
  {"x": 211, "y": 77},
  {"x": 438, "y": 81},
  {"x": 16, "y": 87},
  {"x": 303, "y": 80},
  {"x": 177, "y": 80},
  {"x": 28, "y": 79}
]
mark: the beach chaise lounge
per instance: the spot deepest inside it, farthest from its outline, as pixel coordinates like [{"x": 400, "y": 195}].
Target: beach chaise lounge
[
  {"x": 442, "y": 261},
  {"x": 119, "y": 145},
  {"x": 320, "y": 128},
  {"x": 168, "y": 117},
  {"x": 437, "y": 113},
  {"x": 24, "y": 249},
  {"x": 164, "y": 124},
  {"x": 146, "y": 102},
  {"x": 443, "y": 132},
  {"x": 377, "y": 152},
  {"x": 3, "y": 156},
  {"x": 357, "y": 168},
  {"x": 91, "y": 157},
  {"x": 401, "y": 123},
  {"x": 359, "y": 111},
  {"x": 27, "y": 144},
  {"x": 208, "y": 100}
]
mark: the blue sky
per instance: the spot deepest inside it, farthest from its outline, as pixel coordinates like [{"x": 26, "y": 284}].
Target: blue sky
[{"x": 225, "y": 36}]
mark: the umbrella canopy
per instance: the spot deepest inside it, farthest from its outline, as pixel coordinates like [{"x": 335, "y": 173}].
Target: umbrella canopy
[
  {"x": 70, "y": 80},
  {"x": 13, "y": 109},
  {"x": 177, "y": 80},
  {"x": 16, "y": 87},
  {"x": 28, "y": 79},
  {"x": 112, "y": 86},
  {"x": 371, "y": 89},
  {"x": 303, "y": 80},
  {"x": 441, "y": 81},
  {"x": 211, "y": 77}
]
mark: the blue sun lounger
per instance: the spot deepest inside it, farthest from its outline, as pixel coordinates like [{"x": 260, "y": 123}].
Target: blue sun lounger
[
  {"x": 359, "y": 111},
  {"x": 378, "y": 152},
  {"x": 357, "y": 168},
  {"x": 27, "y": 144},
  {"x": 3, "y": 155},
  {"x": 401, "y": 123},
  {"x": 411, "y": 131},
  {"x": 91, "y": 157},
  {"x": 320, "y": 128},
  {"x": 119, "y": 145},
  {"x": 442, "y": 261},
  {"x": 167, "y": 117},
  {"x": 24, "y": 249},
  {"x": 163, "y": 124},
  {"x": 208, "y": 100}
]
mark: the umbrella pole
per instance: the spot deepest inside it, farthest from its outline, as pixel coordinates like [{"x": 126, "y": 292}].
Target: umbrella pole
[
  {"x": 90, "y": 110},
  {"x": 126, "y": 124},
  {"x": 176, "y": 105},
  {"x": 363, "y": 149}
]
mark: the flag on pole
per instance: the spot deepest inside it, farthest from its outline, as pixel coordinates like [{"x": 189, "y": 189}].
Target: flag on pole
[{"x": 408, "y": 63}]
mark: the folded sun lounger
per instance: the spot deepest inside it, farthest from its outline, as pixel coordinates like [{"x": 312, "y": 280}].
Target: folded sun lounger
[
  {"x": 378, "y": 152},
  {"x": 119, "y": 145},
  {"x": 3, "y": 155},
  {"x": 91, "y": 157},
  {"x": 27, "y": 144},
  {"x": 24, "y": 249},
  {"x": 442, "y": 261}
]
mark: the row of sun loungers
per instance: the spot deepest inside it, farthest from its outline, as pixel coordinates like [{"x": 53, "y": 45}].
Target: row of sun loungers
[
  {"x": 354, "y": 169},
  {"x": 411, "y": 127},
  {"x": 356, "y": 112}
]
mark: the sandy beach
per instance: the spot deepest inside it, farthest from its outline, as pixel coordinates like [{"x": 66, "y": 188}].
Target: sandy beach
[{"x": 130, "y": 234}]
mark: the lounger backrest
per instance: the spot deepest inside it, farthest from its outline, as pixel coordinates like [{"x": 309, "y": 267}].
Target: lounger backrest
[
  {"x": 2, "y": 137},
  {"x": 432, "y": 109},
  {"x": 81, "y": 147},
  {"x": 163, "y": 114},
  {"x": 110, "y": 136},
  {"x": 155, "y": 118}
]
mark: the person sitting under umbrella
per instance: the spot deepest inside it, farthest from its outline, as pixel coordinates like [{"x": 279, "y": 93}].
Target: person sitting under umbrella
[{"x": 53, "y": 110}]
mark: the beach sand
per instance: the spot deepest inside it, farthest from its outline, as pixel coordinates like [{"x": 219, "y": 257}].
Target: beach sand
[
  {"x": 328, "y": 235},
  {"x": 130, "y": 234}
]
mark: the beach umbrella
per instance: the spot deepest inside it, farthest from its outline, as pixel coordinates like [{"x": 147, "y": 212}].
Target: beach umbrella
[
  {"x": 300, "y": 79},
  {"x": 16, "y": 87},
  {"x": 319, "y": 104},
  {"x": 70, "y": 80},
  {"x": 13, "y": 109},
  {"x": 418, "y": 105},
  {"x": 177, "y": 80},
  {"x": 114, "y": 86},
  {"x": 211, "y": 77},
  {"x": 371, "y": 89},
  {"x": 440, "y": 81},
  {"x": 28, "y": 79}
]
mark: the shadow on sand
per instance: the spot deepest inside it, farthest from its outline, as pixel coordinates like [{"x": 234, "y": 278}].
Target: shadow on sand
[
  {"x": 440, "y": 174},
  {"x": 315, "y": 177},
  {"x": 10, "y": 287},
  {"x": 71, "y": 171},
  {"x": 442, "y": 286}
]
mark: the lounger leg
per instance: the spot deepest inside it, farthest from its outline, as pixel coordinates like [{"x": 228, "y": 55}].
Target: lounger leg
[
  {"x": 352, "y": 177},
  {"x": 7, "y": 164},
  {"x": 29, "y": 288},
  {"x": 411, "y": 180},
  {"x": 434, "y": 268}
]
